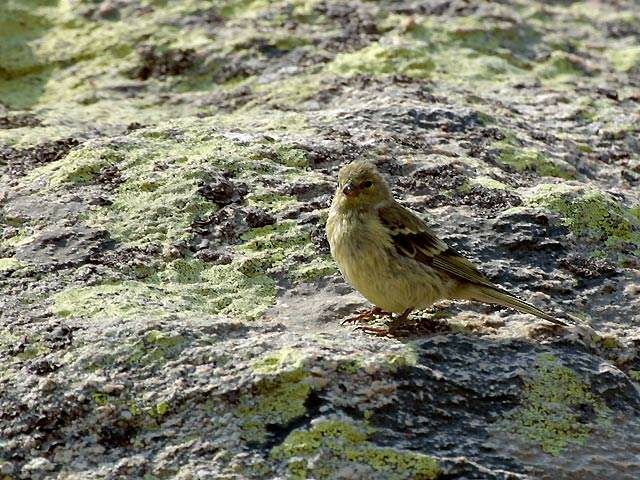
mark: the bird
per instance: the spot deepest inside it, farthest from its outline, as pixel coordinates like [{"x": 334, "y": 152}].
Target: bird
[{"x": 392, "y": 257}]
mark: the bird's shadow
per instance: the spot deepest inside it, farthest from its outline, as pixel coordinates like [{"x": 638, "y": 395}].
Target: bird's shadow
[{"x": 442, "y": 319}]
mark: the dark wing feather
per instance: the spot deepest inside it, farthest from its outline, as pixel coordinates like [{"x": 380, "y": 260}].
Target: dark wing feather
[{"x": 413, "y": 238}]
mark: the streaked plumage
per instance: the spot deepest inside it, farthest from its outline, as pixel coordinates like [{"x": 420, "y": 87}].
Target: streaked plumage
[{"x": 392, "y": 257}]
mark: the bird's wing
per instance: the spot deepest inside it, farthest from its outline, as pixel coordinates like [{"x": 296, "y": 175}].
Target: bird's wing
[{"x": 413, "y": 239}]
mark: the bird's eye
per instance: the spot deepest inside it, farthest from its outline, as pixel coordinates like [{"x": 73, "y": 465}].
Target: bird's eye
[{"x": 367, "y": 184}]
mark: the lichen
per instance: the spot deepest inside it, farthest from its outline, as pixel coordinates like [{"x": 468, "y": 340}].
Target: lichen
[
  {"x": 79, "y": 166},
  {"x": 33, "y": 349},
  {"x": 591, "y": 214},
  {"x": 217, "y": 289},
  {"x": 283, "y": 248},
  {"x": 530, "y": 159},
  {"x": 385, "y": 59},
  {"x": 561, "y": 67},
  {"x": 154, "y": 205},
  {"x": 606, "y": 341},
  {"x": 10, "y": 264},
  {"x": 278, "y": 397},
  {"x": 626, "y": 59},
  {"x": 144, "y": 413},
  {"x": 156, "y": 346},
  {"x": 558, "y": 408},
  {"x": 488, "y": 182},
  {"x": 276, "y": 361},
  {"x": 330, "y": 445}
]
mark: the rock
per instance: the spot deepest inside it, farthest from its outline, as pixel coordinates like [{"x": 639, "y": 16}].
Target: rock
[{"x": 168, "y": 304}]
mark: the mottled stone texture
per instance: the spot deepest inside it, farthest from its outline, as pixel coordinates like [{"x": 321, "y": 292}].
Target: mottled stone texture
[{"x": 168, "y": 305}]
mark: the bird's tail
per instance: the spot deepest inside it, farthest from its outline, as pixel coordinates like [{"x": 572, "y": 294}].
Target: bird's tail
[{"x": 498, "y": 296}]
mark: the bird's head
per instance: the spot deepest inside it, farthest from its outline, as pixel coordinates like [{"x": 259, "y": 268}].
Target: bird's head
[{"x": 360, "y": 185}]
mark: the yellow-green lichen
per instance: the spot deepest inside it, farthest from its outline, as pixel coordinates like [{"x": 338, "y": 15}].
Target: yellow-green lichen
[
  {"x": 488, "y": 182},
  {"x": 290, "y": 157},
  {"x": 316, "y": 267},
  {"x": 144, "y": 413},
  {"x": 330, "y": 445},
  {"x": 510, "y": 40},
  {"x": 385, "y": 59},
  {"x": 78, "y": 166},
  {"x": 281, "y": 248},
  {"x": 276, "y": 361},
  {"x": 208, "y": 290},
  {"x": 10, "y": 264},
  {"x": 156, "y": 346},
  {"x": 606, "y": 341},
  {"x": 626, "y": 59},
  {"x": 20, "y": 345},
  {"x": 590, "y": 214},
  {"x": 553, "y": 406},
  {"x": 291, "y": 92},
  {"x": 156, "y": 203},
  {"x": 34, "y": 349},
  {"x": 278, "y": 398},
  {"x": 561, "y": 67},
  {"x": 529, "y": 159}
]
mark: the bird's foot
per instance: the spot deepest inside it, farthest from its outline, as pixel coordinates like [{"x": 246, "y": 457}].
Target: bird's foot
[
  {"x": 378, "y": 332},
  {"x": 365, "y": 316},
  {"x": 394, "y": 328}
]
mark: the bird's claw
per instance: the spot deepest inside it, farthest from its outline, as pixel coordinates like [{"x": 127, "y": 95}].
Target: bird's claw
[
  {"x": 396, "y": 327},
  {"x": 378, "y": 332},
  {"x": 365, "y": 316}
]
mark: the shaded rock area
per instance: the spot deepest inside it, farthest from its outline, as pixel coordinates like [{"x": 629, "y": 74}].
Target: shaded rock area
[{"x": 168, "y": 304}]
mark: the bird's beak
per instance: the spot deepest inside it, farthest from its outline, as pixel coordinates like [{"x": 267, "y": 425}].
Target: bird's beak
[{"x": 350, "y": 190}]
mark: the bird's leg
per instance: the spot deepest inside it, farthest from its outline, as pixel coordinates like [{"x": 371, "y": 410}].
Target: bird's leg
[
  {"x": 400, "y": 321},
  {"x": 392, "y": 326},
  {"x": 404, "y": 316},
  {"x": 365, "y": 316}
]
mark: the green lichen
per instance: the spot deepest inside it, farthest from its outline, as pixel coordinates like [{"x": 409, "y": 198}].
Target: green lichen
[
  {"x": 80, "y": 166},
  {"x": 143, "y": 413},
  {"x": 330, "y": 445},
  {"x": 634, "y": 375},
  {"x": 276, "y": 361},
  {"x": 10, "y": 264},
  {"x": 553, "y": 407},
  {"x": 561, "y": 67},
  {"x": 512, "y": 41},
  {"x": 72, "y": 71},
  {"x": 240, "y": 8},
  {"x": 290, "y": 157},
  {"x": 290, "y": 92},
  {"x": 317, "y": 267},
  {"x": 406, "y": 358},
  {"x": 606, "y": 341},
  {"x": 20, "y": 344},
  {"x": 488, "y": 182},
  {"x": 283, "y": 248},
  {"x": 591, "y": 214},
  {"x": 156, "y": 203},
  {"x": 178, "y": 291},
  {"x": 626, "y": 59},
  {"x": 279, "y": 397},
  {"x": 156, "y": 346},
  {"x": 350, "y": 366},
  {"x": 385, "y": 59},
  {"x": 34, "y": 349},
  {"x": 529, "y": 159}
]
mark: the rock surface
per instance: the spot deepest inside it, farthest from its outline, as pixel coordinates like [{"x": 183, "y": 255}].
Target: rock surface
[{"x": 168, "y": 305}]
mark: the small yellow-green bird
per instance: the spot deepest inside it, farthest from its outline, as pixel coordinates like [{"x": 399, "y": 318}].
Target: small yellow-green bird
[{"x": 392, "y": 257}]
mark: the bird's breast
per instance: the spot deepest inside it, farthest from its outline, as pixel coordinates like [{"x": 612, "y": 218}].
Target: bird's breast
[
  {"x": 360, "y": 246},
  {"x": 369, "y": 262}
]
